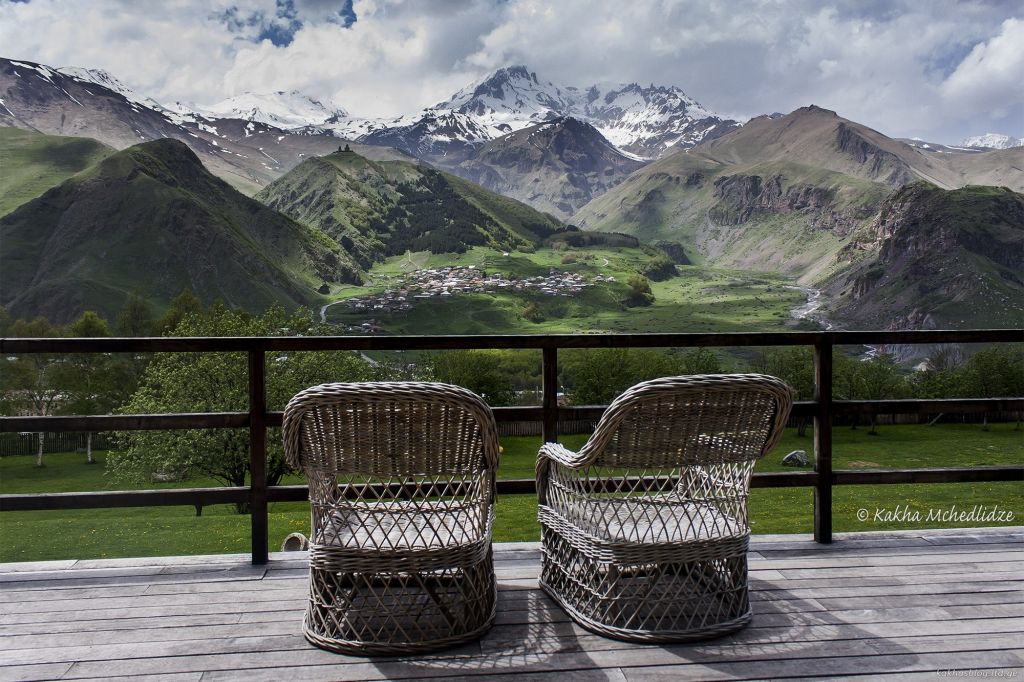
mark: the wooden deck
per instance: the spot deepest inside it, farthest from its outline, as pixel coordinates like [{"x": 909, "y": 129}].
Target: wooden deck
[{"x": 901, "y": 605}]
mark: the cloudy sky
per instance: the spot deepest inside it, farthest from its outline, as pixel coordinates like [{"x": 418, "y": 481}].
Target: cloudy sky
[{"x": 935, "y": 69}]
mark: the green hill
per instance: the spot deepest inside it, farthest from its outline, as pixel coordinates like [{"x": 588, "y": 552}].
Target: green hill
[
  {"x": 776, "y": 216},
  {"x": 377, "y": 209},
  {"x": 937, "y": 258},
  {"x": 31, "y": 163},
  {"x": 151, "y": 219}
]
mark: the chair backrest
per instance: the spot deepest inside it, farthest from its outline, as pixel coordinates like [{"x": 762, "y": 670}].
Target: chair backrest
[
  {"x": 692, "y": 421},
  {"x": 385, "y": 429}
]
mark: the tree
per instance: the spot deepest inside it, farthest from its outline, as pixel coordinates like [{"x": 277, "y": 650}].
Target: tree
[
  {"x": 135, "y": 317},
  {"x": 596, "y": 376},
  {"x": 880, "y": 380},
  {"x": 875, "y": 379},
  {"x": 699, "y": 361},
  {"x": 639, "y": 291},
  {"x": 660, "y": 268},
  {"x": 481, "y": 371},
  {"x": 217, "y": 382},
  {"x": 533, "y": 313},
  {"x": 184, "y": 304},
  {"x": 91, "y": 383},
  {"x": 995, "y": 372},
  {"x": 795, "y": 366},
  {"x": 28, "y": 382}
]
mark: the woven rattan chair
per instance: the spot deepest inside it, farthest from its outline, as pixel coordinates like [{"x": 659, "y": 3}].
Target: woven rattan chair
[
  {"x": 644, "y": 530},
  {"x": 401, "y": 490}
]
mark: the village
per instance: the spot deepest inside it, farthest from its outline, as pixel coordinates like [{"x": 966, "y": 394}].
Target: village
[{"x": 454, "y": 280}]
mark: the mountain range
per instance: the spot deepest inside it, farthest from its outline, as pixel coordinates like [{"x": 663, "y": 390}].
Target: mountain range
[
  {"x": 645, "y": 122},
  {"x": 247, "y": 153},
  {"x": 152, "y": 220},
  {"x": 809, "y": 194},
  {"x": 826, "y": 200}
]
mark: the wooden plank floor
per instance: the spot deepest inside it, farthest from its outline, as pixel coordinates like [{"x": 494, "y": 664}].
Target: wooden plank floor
[{"x": 880, "y": 605}]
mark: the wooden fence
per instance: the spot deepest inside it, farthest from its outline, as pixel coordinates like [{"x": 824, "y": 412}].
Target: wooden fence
[{"x": 823, "y": 409}]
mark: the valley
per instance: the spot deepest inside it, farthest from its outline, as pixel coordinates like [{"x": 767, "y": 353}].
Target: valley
[{"x": 698, "y": 299}]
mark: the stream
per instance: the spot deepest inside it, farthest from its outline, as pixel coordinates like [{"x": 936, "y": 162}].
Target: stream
[{"x": 810, "y": 307}]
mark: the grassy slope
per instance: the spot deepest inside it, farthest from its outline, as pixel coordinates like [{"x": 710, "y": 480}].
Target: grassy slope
[
  {"x": 343, "y": 194},
  {"x": 675, "y": 199},
  {"x": 511, "y": 213},
  {"x": 700, "y": 299},
  {"x": 150, "y": 219},
  {"x": 27, "y": 536},
  {"x": 31, "y": 163}
]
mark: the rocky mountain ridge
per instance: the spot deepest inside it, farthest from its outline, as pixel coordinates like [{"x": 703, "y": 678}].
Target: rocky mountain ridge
[
  {"x": 556, "y": 166},
  {"x": 935, "y": 258}
]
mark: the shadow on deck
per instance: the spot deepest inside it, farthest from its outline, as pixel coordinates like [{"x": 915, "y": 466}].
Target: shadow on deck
[{"x": 908, "y": 604}]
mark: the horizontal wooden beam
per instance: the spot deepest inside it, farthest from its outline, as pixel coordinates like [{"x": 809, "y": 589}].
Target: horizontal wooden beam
[
  {"x": 123, "y": 498},
  {"x": 946, "y": 475},
  {"x": 9, "y": 346},
  {"x": 931, "y": 406},
  {"x": 238, "y": 420},
  {"x": 523, "y": 486},
  {"x": 127, "y": 422}
]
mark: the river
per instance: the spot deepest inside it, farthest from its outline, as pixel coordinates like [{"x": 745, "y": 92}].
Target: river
[{"x": 807, "y": 310}]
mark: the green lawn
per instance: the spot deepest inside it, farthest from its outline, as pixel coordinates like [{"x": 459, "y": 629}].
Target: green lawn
[{"x": 29, "y": 536}]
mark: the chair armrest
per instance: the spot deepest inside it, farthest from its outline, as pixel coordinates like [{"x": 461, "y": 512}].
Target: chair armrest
[
  {"x": 556, "y": 452},
  {"x": 562, "y": 456}
]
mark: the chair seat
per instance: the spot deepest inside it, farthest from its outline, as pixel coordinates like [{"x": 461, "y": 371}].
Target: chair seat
[
  {"x": 625, "y": 530},
  {"x": 432, "y": 534},
  {"x": 649, "y": 521}
]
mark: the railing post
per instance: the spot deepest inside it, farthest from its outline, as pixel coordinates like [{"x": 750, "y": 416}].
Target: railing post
[
  {"x": 549, "y": 390},
  {"x": 823, "y": 440},
  {"x": 258, "y": 455}
]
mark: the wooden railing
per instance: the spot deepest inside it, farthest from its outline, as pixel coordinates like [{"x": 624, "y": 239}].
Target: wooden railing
[{"x": 258, "y": 419}]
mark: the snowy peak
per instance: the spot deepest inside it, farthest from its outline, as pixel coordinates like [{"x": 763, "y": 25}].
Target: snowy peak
[
  {"x": 434, "y": 131},
  {"x": 104, "y": 79},
  {"x": 280, "y": 109},
  {"x": 993, "y": 141},
  {"x": 643, "y": 121},
  {"x": 512, "y": 98},
  {"x": 650, "y": 120}
]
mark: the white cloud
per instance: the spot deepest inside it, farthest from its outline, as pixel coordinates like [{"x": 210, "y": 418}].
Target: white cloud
[
  {"x": 991, "y": 77},
  {"x": 939, "y": 70}
]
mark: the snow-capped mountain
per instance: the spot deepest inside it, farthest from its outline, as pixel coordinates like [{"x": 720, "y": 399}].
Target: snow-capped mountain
[
  {"x": 433, "y": 132},
  {"x": 648, "y": 121},
  {"x": 280, "y": 109},
  {"x": 105, "y": 79},
  {"x": 90, "y": 103},
  {"x": 512, "y": 98},
  {"x": 642, "y": 121},
  {"x": 993, "y": 141}
]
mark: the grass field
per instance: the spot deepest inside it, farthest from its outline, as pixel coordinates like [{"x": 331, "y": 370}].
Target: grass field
[{"x": 96, "y": 533}]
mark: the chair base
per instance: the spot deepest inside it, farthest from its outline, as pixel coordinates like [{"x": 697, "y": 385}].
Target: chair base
[
  {"x": 399, "y": 613},
  {"x": 652, "y": 601},
  {"x": 647, "y": 636}
]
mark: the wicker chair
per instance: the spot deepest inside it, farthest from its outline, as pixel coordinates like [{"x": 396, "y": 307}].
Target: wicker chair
[
  {"x": 401, "y": 489},
  {"x": 644, "y": 530}
]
